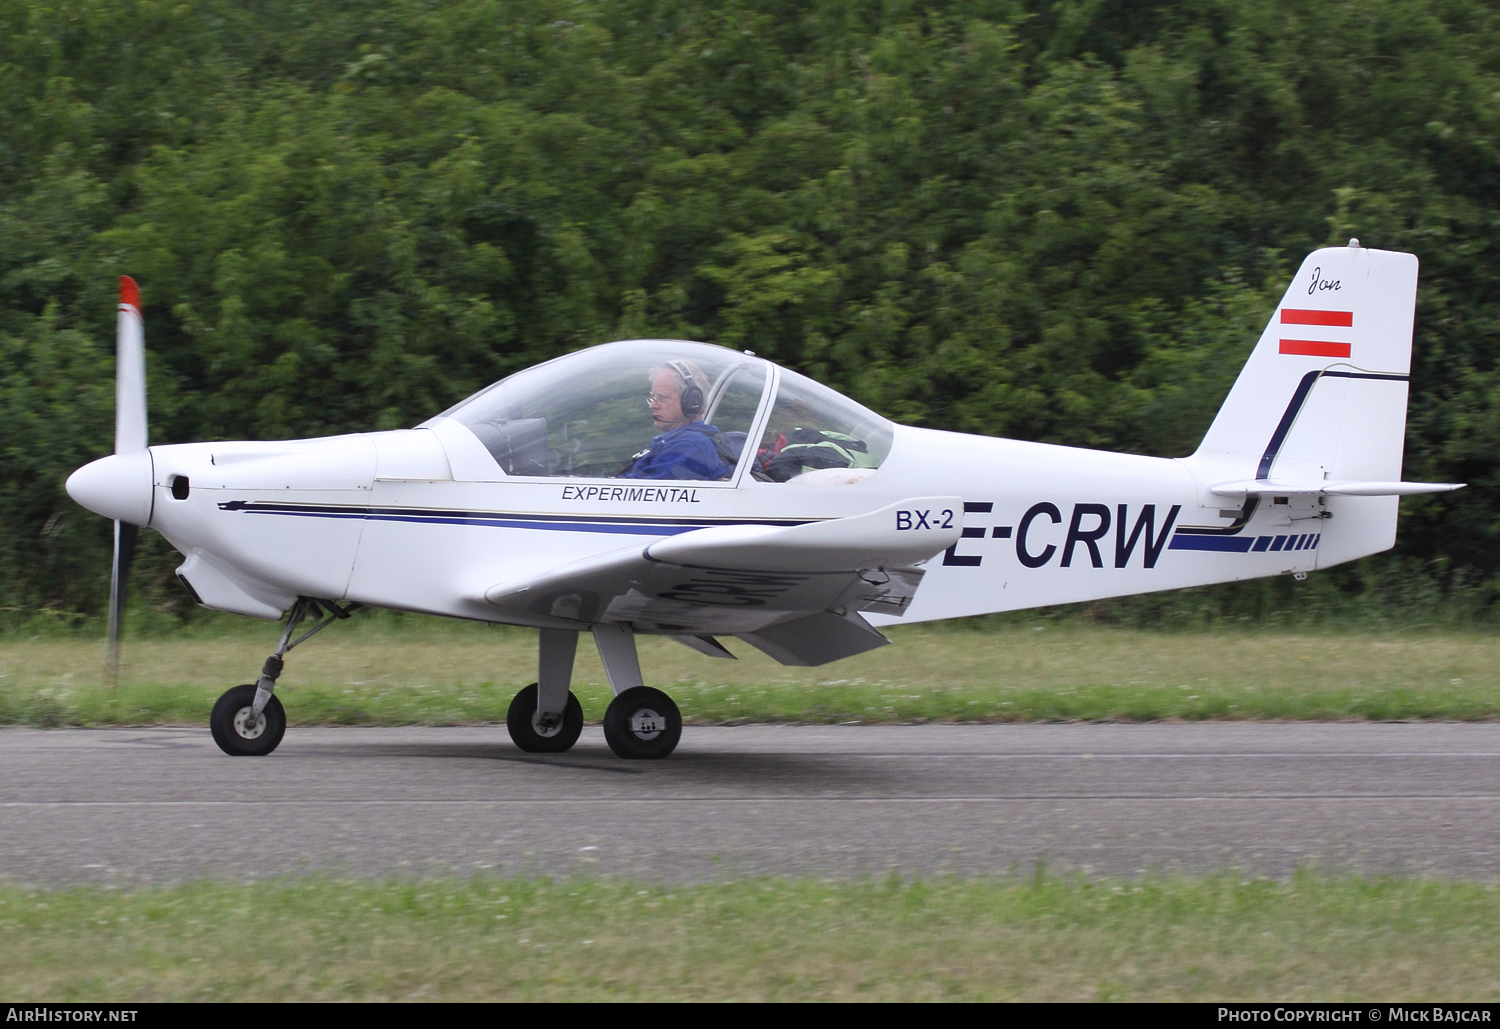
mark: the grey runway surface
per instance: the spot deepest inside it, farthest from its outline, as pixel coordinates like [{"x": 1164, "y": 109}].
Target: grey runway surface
[{"x": 164, "y": 805}]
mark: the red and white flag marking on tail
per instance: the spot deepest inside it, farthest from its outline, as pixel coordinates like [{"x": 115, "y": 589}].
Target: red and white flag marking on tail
[{"x": 1315, "y": 347}]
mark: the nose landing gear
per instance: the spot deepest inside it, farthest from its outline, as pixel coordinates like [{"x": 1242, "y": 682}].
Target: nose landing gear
[
  {"x": 239, "y": 731},
  {"x": 249, "y": 721}
]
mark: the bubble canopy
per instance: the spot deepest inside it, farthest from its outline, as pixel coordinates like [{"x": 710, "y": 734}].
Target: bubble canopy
[{"x": 585, "y": 414}]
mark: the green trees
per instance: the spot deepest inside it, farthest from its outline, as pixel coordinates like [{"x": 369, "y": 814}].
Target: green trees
[{"x": 1060, "y": 221}]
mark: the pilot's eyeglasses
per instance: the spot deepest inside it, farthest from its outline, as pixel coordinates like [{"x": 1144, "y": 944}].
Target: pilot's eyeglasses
[{"x": 656, "y": 399}]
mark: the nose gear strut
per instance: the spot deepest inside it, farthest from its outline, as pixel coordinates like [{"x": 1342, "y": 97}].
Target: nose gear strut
[{"x": 256, "y": 727}]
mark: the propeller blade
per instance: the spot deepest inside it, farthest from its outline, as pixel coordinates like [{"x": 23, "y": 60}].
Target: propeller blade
[
  {"x": 130, "y": 371},
  {"x": 119, "y": 575},
  {"x": 130, "y": 438}
]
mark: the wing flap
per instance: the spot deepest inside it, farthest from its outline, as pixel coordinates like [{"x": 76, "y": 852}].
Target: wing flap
[
  {"x": 706, "y": 645},
  {"x": 816, "y": 639}
]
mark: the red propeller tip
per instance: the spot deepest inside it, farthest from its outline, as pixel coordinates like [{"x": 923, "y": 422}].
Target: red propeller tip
[{"x": 130, "y": 293}]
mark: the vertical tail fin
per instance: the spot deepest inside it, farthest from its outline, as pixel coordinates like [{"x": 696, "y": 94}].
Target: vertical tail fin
[{"x": 1323, "y": 395}]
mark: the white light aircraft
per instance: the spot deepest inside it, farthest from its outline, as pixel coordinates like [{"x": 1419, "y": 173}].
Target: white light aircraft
[{"x": 801, "y": 525}]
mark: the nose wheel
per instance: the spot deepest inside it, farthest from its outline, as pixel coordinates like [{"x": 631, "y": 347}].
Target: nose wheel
[
  {"x": 642, "y": 723},
  {"x": 238, "y": 730}
]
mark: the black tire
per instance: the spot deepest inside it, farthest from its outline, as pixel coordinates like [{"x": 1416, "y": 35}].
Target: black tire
[
  {"x": 227, "y": 723},
  {"x": 629, "y": 738},
  {"x": 521, "y": 721}
]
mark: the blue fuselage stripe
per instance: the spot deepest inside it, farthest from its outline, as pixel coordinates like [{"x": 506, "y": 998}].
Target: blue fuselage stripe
[
  {"x": 1245, "y": 544},
  {"x": 626, "y": 528},
  {"x": 1229, "y": 544},
  {"x": 552, "y": 523}
]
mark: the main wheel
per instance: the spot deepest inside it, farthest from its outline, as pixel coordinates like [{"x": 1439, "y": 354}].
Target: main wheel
[
  {"x": 538, "y": 739},
  {"x": 236, "y": 734},
  {"x": 642, "y": 723}
]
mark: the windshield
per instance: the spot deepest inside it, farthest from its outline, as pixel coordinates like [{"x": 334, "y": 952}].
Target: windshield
[{"x": 688, "y": 406}]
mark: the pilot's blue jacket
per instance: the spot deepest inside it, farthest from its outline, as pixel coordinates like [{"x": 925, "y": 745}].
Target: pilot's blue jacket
[{"x": 684, "y": 453}]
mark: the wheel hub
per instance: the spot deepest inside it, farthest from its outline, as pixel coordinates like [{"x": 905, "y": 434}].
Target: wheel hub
[
  {"x": 546, "y": 727},
  {"x": 247, "y": 729},
  {"x": 647, "y": 724}
]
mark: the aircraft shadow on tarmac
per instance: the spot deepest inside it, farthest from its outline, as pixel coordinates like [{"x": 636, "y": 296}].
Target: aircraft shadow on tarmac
[{"x": 683, "y": 767}]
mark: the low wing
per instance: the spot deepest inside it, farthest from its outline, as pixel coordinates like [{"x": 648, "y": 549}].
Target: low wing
[
  {"x": 1329, "y": 488},
  {"x": 794, "y": 592}
]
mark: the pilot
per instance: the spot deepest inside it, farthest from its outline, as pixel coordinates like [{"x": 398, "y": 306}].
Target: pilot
[{"x": 684, "y": 446}]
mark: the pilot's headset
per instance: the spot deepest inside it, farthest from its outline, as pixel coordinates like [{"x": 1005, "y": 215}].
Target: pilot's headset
[{"x": 692, "y": 394}]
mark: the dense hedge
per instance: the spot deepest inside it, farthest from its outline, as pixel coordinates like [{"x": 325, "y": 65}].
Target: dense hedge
[{"x": 1064, "y": 221}]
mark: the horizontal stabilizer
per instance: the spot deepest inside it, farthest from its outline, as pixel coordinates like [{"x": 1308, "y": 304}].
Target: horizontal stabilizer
[{"x": 1329, "y": 488}]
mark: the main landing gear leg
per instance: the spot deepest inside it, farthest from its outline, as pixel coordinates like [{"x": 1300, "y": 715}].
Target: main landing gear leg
[
  {"x": 640, "y": 722},
  {"x": 545, "y": 717},
  {"x": 249, "y": 720}
]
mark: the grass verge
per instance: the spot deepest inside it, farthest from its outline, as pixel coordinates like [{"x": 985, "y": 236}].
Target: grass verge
[
  {"x": 444, "y": 673},
  {"x": 1311, "y": 938}
]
